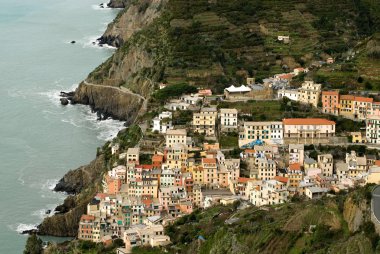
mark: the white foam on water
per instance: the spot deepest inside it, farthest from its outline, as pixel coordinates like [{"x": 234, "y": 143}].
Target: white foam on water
[
  {"x": 42, "y": 213},
  {"x": 99, "y": 6},
  {"x": 49, "y": 184},
  {"x": 22, "y": 227}
]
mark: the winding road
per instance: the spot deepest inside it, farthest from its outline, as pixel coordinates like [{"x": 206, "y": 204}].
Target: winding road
[
  {"x": 125, "y": 90},
  {"x": 376, "y": 203}
]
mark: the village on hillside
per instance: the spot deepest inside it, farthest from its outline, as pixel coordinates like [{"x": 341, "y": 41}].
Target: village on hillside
[{"x": 202, "y": 149}]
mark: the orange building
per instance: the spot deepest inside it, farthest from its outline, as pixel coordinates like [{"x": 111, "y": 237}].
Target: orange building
[
  {"x": 85, "y": 227},
  {"x": 111, "y": 185},
  {"x": 157, "y": 160},
  {"x": 330, "y": 102}
]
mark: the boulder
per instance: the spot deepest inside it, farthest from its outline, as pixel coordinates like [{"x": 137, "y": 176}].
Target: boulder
[{"x": 64, "y": 101}]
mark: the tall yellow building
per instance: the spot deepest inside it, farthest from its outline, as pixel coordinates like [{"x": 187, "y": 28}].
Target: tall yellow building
[
  {"x": 204, "y": 121},
  {"x": 309, "y": 93}
]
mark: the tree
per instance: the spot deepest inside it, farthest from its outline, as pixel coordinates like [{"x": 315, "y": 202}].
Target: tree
[{"x": 33, "y": 245}]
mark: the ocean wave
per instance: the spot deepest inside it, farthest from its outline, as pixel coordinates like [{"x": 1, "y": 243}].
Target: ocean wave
[
  {"x": 21, "y": 227},
  {"x": 42, "y": 213},
  {"x": 92, "y": 42},
  {"x": 101, "y": 6},
  {"x": 105, "y": 129},
  {"x": 49, "y": 184},
  {"x": 54, "y": 94}
]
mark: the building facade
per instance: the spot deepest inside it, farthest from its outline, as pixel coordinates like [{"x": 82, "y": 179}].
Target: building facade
[
  {"x": 330, "y": 102},
  {"x": 309, "y": 93}
]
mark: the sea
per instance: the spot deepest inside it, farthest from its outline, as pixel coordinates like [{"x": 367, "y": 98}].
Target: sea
[{"x": 40, "y": 140}]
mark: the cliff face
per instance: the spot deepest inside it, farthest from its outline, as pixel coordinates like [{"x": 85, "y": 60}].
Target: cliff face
[
  {"x": 84, "y": 182},
  {"x": 110, "y": 101},
  {"x": 125, "y": 68},
  {"x": 354, "y": 214},
  {"x": 131, "y": 20}
]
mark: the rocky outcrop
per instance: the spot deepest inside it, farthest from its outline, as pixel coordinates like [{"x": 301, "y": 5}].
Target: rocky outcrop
[
  {"x": 109, "y": 101},
  {"x": 84, "y": 182},
  {"x": 118, "y": 3},
  {"x": 74, "y": 181},
  {"x": 131, "y": 20},
  {"x": 355, "y": 213}
]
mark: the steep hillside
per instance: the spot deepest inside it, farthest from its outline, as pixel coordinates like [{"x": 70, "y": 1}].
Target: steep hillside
[
  {"x": 338, "y": 224},
  {"x": 83, "y": 183},
  {"x": 212, "y": 43}
]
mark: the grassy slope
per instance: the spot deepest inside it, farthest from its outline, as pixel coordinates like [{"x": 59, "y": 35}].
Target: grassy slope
[{"x": 211, "y": 43}]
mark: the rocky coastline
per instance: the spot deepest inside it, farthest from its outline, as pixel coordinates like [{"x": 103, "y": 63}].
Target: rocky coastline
[{"x": 107, "y": 100}]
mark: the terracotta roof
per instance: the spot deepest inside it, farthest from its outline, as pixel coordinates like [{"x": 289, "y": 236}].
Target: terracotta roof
[
  {"x": 376, "y": 102},
  {"x": 363, "y": 99},
  {"x": 147, "y": 166},
  {"x": 330, "y": 93},
  {"x": 249, "y": 150},
  {"x": 307, "y": 121},
  {"x": 347, "y": 97},
  {"x": 101, "y": 195},
  {"x": 295, "y": 166},
  {"x": 208, "y": 160},
  {"x": 377, "y": 162},
  {"x": 87, "y": 217},
  {"x": 281, "y": 179},
  {"x": 286, "y": 76},
  {"x": 157, "y": 157},
  {"x": 243, "y": 179}
]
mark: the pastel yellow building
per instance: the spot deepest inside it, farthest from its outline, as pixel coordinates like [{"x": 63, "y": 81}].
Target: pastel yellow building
[
  {"x": 177, "y": 156},
  {"x": 358, "y": 137},
  {"x": 309, "y": 93},
  {"x": 204, "y": 121},
  {"x": 346, "y": 107},
  {"x": 177, "y": 136}
]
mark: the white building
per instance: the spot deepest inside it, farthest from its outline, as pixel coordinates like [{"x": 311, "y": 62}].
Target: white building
[
  {"x": 314, "y": 192},
  {"x": 325, "y": 163},
  {"x": 272, "y": 192},
  {"x": 290, "y": 94},
  {"x": 373, "y": 129},
  {"x": 228, "y": 119},
  {"x": 163, "y": 122},
  {"x": 178, "y": 136},
  {"x": 296, "y": 153},
  {"x": 191, "y": 99},
  {"x": 268, "y": 132}
]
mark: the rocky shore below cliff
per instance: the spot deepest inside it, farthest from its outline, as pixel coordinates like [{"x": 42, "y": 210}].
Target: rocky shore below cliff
[{"x": 82, "y": 185}]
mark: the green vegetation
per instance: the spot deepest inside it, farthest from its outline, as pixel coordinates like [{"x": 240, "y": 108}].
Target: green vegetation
[
  {"x": 171, "y": 91},
  {"x": 213, "y": 43},
  {"x": 33, "y": 245},
  {"x": 228, "y": 140},
  {"x": 84, "y": 247}
]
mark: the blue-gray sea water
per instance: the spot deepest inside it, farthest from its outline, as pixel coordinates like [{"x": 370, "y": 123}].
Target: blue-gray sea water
[{"x": 40, "y": 140}]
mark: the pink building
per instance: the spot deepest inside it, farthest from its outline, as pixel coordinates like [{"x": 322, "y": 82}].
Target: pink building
[{"x": 330, "y": 102}]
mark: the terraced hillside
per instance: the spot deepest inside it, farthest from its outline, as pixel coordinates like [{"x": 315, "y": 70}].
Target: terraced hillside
[{"x": 213, "y": 42}]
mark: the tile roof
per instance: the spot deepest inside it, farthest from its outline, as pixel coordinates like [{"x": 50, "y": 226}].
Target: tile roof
[
  {"x": 347, "y": 97},
  {"x": 208, "y": 160},
  {"x": 281, "y": 179},
  {"x": 157, "y": 157},
  {"x": 363, "y": 99},
  {"x": 243, "y": 179},
  {"x": 295, "y": 166},
  {"x": 330, "y": 93},
  {"x": 307, "y": 121}
]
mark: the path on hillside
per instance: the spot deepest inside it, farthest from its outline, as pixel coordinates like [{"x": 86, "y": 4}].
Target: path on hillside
[
  {"x": 120, "y": 89},
  {"x": 125, "y": 90},
  {"x": 376, "y": 203}
]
